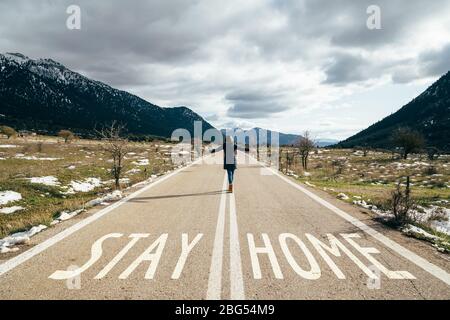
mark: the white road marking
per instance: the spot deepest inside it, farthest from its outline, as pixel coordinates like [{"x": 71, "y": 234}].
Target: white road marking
[
  {"x": 96, "y": 253},
  {"x": 402, "y": 251},
  {"x": 267, "y": 249},
  {"x": 367, "y": 252},
  {"x": 312, "y": 274},
  {"x": 334, "y": 248},
  {"x": 21, "y": 258},
  {"x": 215, "y": 271},
  {"x": 186, "y": 248},
  {"x": 236, "y": 279},
  {"x": 148, "y": 255},
  {"x": 135, "y": 237}
]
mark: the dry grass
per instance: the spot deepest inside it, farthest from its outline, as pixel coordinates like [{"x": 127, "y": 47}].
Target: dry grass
[
  {"x": 42, "y": 203},
  {"x": 374, "y": 176}
]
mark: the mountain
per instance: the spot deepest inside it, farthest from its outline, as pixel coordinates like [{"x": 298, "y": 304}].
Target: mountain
[
  {"x": 284, "y": 138},
  {"x": 326, "y": 142},
  {"x": 44, "y": 95},
  {"x": 429, "y": 114}
]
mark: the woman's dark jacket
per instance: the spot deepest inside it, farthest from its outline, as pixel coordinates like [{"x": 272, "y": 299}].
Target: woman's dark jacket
[{"x": 229, "y": 156}]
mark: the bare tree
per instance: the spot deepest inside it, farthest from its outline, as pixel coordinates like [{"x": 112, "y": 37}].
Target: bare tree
[
  {"x": 408, "y": 140},
  {"x": 116, "y": 145},
  {"x": 8, "y": 131},
  {"x": 365, "y": 150},
  {"x": 401, "y": 204},
  {"x": 66, "y": 135},
  {"x": 433, "y": 153},
  {"x": 305, "y": 145}
]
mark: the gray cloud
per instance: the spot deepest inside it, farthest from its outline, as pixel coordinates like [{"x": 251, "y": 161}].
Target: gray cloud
[
  {"x": 213, "y": 117},
  {"x": 253, "y": 104},
  {"x": 347, "y": 68},
  {"x": 343, "y": 22},
  {"x": 195, "y": 52},
  {"x": 429, "y": 63},
  {"x": 117, "y": 38},
  {"x": 435, "y": 62}
]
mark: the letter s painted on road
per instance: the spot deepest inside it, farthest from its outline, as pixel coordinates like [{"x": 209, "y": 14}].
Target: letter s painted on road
[{"x": 96, "y": 253}]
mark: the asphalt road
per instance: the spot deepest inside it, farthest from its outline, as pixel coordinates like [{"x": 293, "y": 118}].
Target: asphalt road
[{"x": 184, "y": 237}]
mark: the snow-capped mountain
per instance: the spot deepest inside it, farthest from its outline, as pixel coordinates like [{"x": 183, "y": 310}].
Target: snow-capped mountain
[
  {"x": 429, "y": 114},
  {"x": 43, "y": 94},
  {"x": 243, "y": 135},
  {"x": 285, "y": 139}
]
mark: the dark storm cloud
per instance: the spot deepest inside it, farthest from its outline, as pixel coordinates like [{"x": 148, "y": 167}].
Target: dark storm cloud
[
  {"x": 429, "y": 63},
  {"x": 346, "y": 68},
  {"x": 435, "y": 62},
  {"x": 190, "y": 51},
  {"x": 117, "y": 37},
  {"x": 253, "y": 104}
]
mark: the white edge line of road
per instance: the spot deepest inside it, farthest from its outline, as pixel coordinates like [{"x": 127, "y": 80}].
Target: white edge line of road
[
  {"x": 407, "y": 254},
  {"x": 215, "y": 272},
  {"x": 21, "y": 258}
]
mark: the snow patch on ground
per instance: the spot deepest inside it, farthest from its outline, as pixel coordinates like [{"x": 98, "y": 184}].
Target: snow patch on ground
[
  {"x": 23, "y": 157},
  {"x": 365, "y": 205},
  {"x": 343, "y": 196},
  {"x": 103, "y": 200},
  {"x": 86, "y": 185},
  {"x": 48, "y": 181},
  {"x": 292, "y": 174},
  {"x": 436, "y": 217},
  {"x": 133, "y": 171},
  {"x": 113, "y": 196},
  {"x": 19, "y": 238},
  {"x": 9, "y": 210},
  {"x": 141, "y": 162},
  {"x": 66, "y": 215},
  {"x": 123, "y": 180},
  {"x": 9, "y": 196},
  {"x": 411, "y": 230},
  {"x": 7, "y": 146}
]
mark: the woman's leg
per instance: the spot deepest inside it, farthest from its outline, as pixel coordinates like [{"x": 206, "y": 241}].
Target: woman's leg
[
  {"x": 230, "y": 179},
  {"x": 230, "y": 176}
]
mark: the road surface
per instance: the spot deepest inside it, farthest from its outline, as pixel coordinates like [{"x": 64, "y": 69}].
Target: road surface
[{"x": 184, "y": 237}]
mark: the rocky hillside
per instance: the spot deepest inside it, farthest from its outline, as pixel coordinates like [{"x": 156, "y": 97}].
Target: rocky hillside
[
  {"x": 429, "y": 114},
  {"x": 44, "y": 95}
]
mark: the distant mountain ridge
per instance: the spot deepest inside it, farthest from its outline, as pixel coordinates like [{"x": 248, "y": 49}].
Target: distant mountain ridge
[
  {"x": 429, "y": 114},
  {"x": 44, "y": 95},
  {"x": 285, "y": 139}
]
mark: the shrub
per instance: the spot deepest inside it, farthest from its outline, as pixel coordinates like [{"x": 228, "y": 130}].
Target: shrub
[
  {"x": 67, "y": 135},
  {"x": 430, "y": 170},
  {"x": 433, "y": 153},
  {"x": 408, "y": 140},
  {"x": 401, "y": 204},
  {"x": 8, "y": 131},
  {"x": 438, "y": 214}
]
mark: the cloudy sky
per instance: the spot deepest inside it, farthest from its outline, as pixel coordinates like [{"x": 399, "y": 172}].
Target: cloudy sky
[{"x": 287, "y": 65}]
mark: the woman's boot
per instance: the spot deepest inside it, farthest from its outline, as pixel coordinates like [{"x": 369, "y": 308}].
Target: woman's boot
[{"x": 230, "y": 188}]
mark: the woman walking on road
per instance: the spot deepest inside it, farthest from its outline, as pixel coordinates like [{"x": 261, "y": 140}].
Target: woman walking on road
[{"x": 229, "y": 160}]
